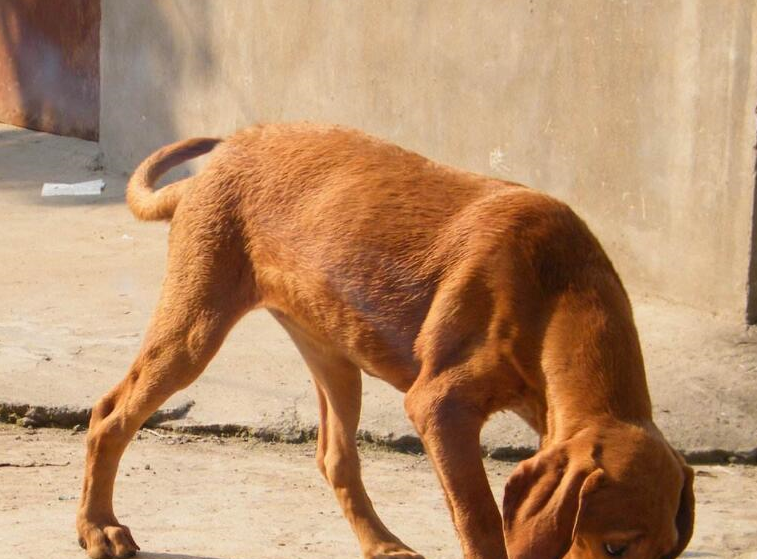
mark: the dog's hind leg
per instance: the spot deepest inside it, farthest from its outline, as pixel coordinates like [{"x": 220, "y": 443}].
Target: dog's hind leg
[
  {"x": 338, "y": 384},
  {"x": 201, "y": 300}
]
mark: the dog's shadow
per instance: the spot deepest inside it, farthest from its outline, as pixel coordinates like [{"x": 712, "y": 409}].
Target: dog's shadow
[
  {"x": 151, "y": 555},
  {"x": 148, "y": 555}
]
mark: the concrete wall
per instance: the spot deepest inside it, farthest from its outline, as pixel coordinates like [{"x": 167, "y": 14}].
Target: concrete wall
[{"x": 640, "y": 114}]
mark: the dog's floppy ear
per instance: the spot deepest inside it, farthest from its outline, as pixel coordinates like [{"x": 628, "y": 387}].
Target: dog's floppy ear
[
  {"x": 542, "y": 506},
  {"x": 685, "y": 516}
]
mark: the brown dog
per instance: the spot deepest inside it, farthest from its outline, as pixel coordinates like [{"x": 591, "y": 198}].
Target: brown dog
[{"x": 468, "y": 293}]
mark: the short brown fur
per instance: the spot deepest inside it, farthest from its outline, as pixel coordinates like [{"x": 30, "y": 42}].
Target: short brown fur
[{"x": 470, "y": 294}]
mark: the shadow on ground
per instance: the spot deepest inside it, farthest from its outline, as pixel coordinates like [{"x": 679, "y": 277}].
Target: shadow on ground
[
  {"x": 150, "y": 555},
  {"x": 29, "y": 158}
]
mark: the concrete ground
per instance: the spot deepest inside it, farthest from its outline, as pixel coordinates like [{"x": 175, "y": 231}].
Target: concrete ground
[
  {"x": 80, "y": 277},
  {"x": 191, "y": 498}
]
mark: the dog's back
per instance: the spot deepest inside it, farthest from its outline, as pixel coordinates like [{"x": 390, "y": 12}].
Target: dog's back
[{"x": 339, "y": 223}]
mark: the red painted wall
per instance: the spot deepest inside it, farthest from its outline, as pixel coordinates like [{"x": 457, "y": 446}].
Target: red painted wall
[{"x": 50, "y": 65}]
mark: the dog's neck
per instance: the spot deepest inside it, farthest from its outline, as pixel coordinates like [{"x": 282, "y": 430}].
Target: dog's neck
[{"x": 592, "y": 364}]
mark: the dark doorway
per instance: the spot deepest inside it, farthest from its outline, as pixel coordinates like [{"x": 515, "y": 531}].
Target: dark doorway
[{"x": 751, "y": 304}]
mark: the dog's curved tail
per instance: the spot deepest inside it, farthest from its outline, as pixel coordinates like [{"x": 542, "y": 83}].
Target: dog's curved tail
[{"x": 147, "y": 204}]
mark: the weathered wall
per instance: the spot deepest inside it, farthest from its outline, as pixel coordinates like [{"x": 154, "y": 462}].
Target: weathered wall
[
  {"x": 640, "y": 114},
  {"x": 49, "y": 65}
]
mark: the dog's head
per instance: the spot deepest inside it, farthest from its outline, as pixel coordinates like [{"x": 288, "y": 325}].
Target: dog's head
[{"x": 623, "y": 492}]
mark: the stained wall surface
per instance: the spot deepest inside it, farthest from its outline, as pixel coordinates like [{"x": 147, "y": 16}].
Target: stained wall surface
[
  {"x": 639, "y": 114},
  {"x": 50, "y": 65}
]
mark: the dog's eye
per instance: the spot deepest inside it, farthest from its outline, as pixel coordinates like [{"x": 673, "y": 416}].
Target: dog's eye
[{"x": 613, "y": 550}]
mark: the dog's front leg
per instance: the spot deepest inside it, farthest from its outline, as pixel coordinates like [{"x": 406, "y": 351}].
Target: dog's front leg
[{"x": 449, "y": 424}]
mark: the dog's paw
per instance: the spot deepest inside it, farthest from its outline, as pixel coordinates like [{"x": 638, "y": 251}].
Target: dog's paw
[{"x": 106, "y": 541}]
